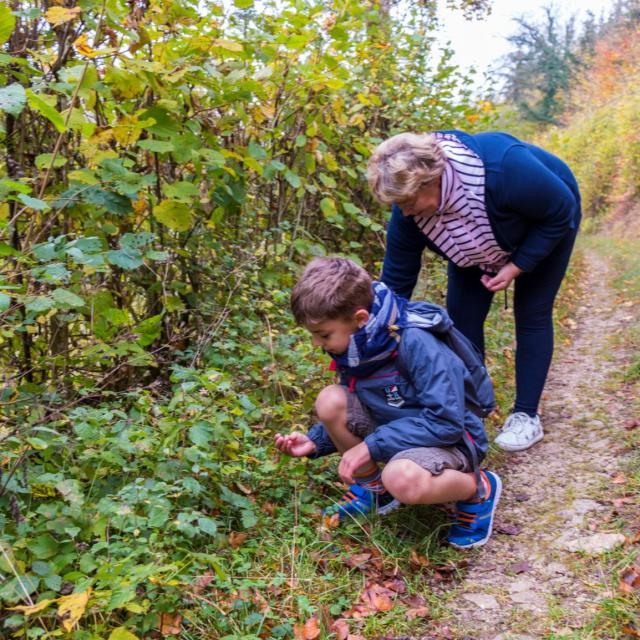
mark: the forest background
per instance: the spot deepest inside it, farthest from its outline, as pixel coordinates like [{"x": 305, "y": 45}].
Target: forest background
[{"x": 168, "y": 166}]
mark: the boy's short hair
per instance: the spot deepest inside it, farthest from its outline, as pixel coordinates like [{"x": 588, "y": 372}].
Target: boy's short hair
[{"x": 331, "y": 288}]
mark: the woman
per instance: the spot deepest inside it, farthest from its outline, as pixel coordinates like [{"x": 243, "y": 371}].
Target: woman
[{"x": 499, "y": 210}]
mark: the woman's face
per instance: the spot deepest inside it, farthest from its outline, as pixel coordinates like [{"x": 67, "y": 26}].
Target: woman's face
[{"x": 426, "y": 202}]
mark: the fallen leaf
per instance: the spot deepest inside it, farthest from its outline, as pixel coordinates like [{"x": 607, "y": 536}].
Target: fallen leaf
[
  {"x": 236, "y": 539},
  {"x": 633, "y": 539},
  {"x": 631, "y": 630},
  {"x": 418, "y": 612},
  {"x": 71, "y": 608},
  {"x": 521, "y": 567},
  {"x": 307, "y": 630},
  {"x": 620, "y": 502},
  {"x": 414, "y": 601},
  {"x": 395, "y": 584},
  {"x": 630, "y": 579},
  {"x": 203, "y": 582},
  {"x": 618, "y": 478},
  {"x": 244, "y": 489},
  {"x": 30, "y": 609},
  {"x": 631, "y": 424},
  {"x": 508, "y": 529},
  {"x": 170, "y": 624},
  {"x": 340, "y": 628},
  {"x": 357, "y": 560},
  {"x": 418, "y": 560},
  {"x": 377, "y": 597},
  {"x": 522, "y": 497},
  {"x": 331, "y": 522}
]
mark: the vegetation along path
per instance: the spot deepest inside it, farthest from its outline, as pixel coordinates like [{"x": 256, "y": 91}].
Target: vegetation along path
[{"x": 550, "y": 566}]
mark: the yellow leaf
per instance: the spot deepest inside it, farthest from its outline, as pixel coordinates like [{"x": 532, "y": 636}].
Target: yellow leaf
[
  {"x": 121, "y": 633},
  {"x": 229, "y": 45},
  {"x": 60, "y": 15},
  {"x": 71, "y": 608},
  {"x": 127, "y": 130},
  {"x": 83, "y": 48},
  {"x": 29, "y": 610}
]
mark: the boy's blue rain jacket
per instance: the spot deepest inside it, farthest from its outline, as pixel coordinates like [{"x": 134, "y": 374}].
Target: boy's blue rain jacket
[{"x": 416, "y": 400}]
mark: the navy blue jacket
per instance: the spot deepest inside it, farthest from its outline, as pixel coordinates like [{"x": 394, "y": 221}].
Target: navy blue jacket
[
  {"x": 531, "y": 197},
  {"x": 428, "y": 383}
]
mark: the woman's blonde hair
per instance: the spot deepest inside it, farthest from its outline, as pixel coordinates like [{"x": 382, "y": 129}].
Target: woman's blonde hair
[{"x": 403, "y": 164}]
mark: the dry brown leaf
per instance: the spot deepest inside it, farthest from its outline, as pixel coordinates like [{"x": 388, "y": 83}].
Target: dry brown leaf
[
  {"x": 418, "y": 612},
  {"x": 631, "y": 424},
  {"x": 630, "y": 579},
  {"x": 203, "y": 582},
  {"x": 356, "y": 560},
  {"x": 170, "y": 624},
  {"x": 308, "y": 630},
  {"x": 340, "y": 628},
  {"x": 618, "y": 478},
  {"x": 395, "y": 584},
  {"x": 236, "y": 539},
  {"x": 417, "y": 560},
  {"x": 377, "y": 597},
  {"x": 631, "y": 630},
  {"x": 331, "y": 522}
]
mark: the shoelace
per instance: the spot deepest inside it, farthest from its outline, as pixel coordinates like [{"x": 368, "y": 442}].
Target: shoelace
[{"x": 466, "y": 520}]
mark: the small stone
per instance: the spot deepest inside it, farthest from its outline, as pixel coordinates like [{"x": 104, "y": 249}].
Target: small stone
[
  {"x": 523, "y": 584},
  {"x": 585, "y": 506},
  {"x": 597, "y": 543},
  {"x": 528, "y": 597},
  {"x": 481, "y": 600}
]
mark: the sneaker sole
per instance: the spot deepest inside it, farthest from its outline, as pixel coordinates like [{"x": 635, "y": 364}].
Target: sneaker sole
[
  {"x": 513, "y": 448},
  {"x": 484, "y": 540},
  {"x": 388, "y": 508}
]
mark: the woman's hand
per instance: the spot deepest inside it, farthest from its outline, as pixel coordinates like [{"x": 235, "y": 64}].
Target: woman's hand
[
  {"x": 352, "y": 460},
  {"x": 295, "y": 444},
  {"x": 502, "y": 279}
]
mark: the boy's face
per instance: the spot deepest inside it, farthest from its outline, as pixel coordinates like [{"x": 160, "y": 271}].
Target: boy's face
[{"x": 334, "y": 335}]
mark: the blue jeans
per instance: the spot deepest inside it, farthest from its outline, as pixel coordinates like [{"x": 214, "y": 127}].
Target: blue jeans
[{"x": 468, "y": 303}]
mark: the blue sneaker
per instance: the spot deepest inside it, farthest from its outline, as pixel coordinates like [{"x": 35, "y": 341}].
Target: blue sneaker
[
  {"x": 360, "y": 501},
  {"x": 474, "y": 520}
]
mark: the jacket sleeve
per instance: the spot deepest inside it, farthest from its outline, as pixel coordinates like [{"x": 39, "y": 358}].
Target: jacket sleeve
[
  {"x": 402, "y": 258},
  {"x": 535, "y": 192},
  {"x": 324, "y": 445},
  {"x": 439, "y": 384}
]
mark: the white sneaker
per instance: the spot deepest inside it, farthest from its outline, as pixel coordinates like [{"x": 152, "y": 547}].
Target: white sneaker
[{"x": 520, "y": 432}]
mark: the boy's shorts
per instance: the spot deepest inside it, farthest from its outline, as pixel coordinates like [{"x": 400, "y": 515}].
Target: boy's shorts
[{"x": 434, "y": 459}]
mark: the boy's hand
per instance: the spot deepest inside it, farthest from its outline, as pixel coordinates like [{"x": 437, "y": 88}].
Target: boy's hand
[
  {"x": 352, "y": 460},
  {"x": 295, "y": 444}
]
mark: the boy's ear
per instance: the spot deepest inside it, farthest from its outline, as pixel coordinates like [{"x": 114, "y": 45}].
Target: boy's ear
[{"x": 362, "y": 317}]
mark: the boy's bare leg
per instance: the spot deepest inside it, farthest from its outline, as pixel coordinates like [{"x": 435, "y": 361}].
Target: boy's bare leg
[
  {"x": 409, "y": 483},
  {"x": 331, "y": 407}
]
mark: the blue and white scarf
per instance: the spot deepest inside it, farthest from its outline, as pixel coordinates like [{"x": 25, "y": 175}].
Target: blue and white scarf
[{"x": 375, "y": 343}]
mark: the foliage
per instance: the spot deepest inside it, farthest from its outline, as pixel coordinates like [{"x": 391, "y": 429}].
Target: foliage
[{"x": 167, "y": 166}]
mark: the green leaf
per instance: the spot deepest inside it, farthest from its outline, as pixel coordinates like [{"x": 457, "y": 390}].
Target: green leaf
[
  {"x": 33, "y": 203},
  {"x": 53, "y": 582},
  {"x": 328, "y": 207},
  {"x": 7, "y": 23},
  {"x": 43, "y": 546},
  {"x": 200, "y": 434},
  {"x": 292, "y": 178},
  {"x": 125, "y": 259},
  {"x": 5, "y": 301},
  {"x": 41, "y": 568},
  {"x": 43, "y": 108},
  {"x": 122, "y": 633},
  {"x": 66, "y": 298},
  {"x": 157, "y": 146},
  {"x": 327, "y": 181},
  {"x": 40, "y": 304},
  {"x": 249, "y": 519},
  {"x": 13, "y": 98},
  {"x": 173, "y": 214},
  {"x": 243, "y": 4},
  {"x": 44, "y": 160},
  {"x": 208, "y": 525}
]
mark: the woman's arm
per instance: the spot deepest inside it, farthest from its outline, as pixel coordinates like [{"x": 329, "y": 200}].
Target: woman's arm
[
  {"x": 535, "y": 192},
  {"x": 403, "y": 254}
]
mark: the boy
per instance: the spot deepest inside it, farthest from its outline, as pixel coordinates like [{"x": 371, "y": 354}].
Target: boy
[{"x": 401, "y": 401}]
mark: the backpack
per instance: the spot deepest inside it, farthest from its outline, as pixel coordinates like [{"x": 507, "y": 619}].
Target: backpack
[{"x": 479, "y": 396}]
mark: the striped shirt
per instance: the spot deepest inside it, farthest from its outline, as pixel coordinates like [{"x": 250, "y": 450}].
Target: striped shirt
[{"x": 460, "y": 228}]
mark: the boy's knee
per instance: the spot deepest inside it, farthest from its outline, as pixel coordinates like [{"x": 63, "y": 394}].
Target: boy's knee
[
  {"x": 331, "y": 403},
  {"x": 406, "y": 481}
]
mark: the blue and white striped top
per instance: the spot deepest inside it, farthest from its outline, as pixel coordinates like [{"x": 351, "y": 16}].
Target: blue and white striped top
[{"x": 460, "y": 228}]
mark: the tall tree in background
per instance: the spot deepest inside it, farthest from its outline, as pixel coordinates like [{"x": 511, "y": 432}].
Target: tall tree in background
[{"x": 541, "y": 67}]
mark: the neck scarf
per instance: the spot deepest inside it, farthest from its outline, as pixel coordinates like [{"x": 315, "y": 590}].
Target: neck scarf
[
  {"x": 460, "y": 228},
  {"x": 374, "y": 344}
]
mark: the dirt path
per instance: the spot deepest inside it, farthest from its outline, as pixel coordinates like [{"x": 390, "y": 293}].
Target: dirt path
[{"x": 529, "y": 582}]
